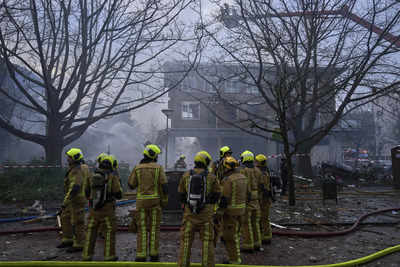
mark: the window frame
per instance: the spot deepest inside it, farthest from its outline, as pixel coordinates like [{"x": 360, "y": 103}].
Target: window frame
[{"x": 183, "y": 103}]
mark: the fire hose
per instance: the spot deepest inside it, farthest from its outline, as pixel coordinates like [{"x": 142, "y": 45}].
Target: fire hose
[{"x": 354, "y": 262}]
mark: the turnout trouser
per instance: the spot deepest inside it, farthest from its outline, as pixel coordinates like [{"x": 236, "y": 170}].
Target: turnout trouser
[
  {"x": 265, "y": 222},
  {"x": 148, "y": 223},
  {"x": 231, "y": 232},
  {"x": 73, "y": 224},
  {"x": 251, "y": 231},
  {"x": 106, "y": 217},
  {"x": 206, "y": 231}
]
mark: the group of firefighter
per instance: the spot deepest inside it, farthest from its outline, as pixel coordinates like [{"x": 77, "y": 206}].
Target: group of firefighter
[{"x": 222, "y": 200}]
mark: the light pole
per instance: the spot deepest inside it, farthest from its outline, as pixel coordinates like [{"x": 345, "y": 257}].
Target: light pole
[{"x": 167, "y": 112}]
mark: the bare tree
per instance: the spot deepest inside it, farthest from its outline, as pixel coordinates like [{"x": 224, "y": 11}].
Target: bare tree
[
  {"x": 299, "y": 66},
  {"x": 75, "y": 62}
]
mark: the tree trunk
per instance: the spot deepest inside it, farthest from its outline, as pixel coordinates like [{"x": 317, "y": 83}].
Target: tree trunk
[
  {"x": 289, "y": 167},
  {"x": 53, "y": 151},
  {"x": 291, "y": 184},
  {"x": 54, "y": 145}
]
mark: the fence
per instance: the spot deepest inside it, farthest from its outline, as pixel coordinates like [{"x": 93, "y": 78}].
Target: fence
[{"x": 26, "y": 182}]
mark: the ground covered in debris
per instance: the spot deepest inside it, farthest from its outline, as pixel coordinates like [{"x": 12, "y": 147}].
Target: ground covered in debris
[{"x": 375, "y": 233}]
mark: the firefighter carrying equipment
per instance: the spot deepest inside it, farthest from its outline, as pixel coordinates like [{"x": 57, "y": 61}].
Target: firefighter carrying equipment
[
  {"x": 202, "y": 221},
  {"x": 149, "y": 179},
  {"x": 232, "y": 207},
  {"x": 224, "y": 150},
  {"x": 251, "y": 230},
  {"x": 75, "y": 154},
  {"x": 72, "y": 216},
  {"x": 152, "y": 151},
  {"x": 102, "y": 212},
  {"x": 247, "y": 156}
]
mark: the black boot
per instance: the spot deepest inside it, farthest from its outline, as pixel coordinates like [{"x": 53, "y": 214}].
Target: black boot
[{"x": 140, "y": 259}]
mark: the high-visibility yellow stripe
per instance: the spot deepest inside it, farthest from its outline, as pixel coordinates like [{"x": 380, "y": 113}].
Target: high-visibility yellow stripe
[
  {"x": 258, "y": 228},
  {"x": 206, "y": 243},
  {"x": 250, "y": 230},
  {"x": 107, "y": 247},
  {"x": 153, "y": 249},
  {"x": 88, "y": 238},
  {"x": 141, "y": 252},
  {"x": 186, "y": 240},
  {"x": 233, "y": 201},
  {"x": 237, "y": 242}
]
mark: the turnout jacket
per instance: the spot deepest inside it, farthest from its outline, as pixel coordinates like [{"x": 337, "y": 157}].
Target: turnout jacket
[
  {"x": 254, "y": 181},
  {"x": 234, "y": 190},
  {"x": 151, "y": 183}
]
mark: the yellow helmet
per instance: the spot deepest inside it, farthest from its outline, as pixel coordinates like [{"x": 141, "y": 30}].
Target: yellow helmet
[
  {"x": 75, "y": 154},
  {"x": 261, "y": 159},
  {"x": 247, "y": 156},
  {"x": 114, "y": 162},
  {"x": 223, "y": 150},
  {"x": 230, "y": 163},
  {"x": 182, "y": 157},
  {"x": 203, "y": 157},
  {"x": 100, "y": 156},
  {"x": 152, "y": 151}
]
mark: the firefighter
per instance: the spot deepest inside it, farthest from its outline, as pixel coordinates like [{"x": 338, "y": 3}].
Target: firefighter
[
  {"x": 251, "y": 231},
  {"x": 72, "y": 209},
  {"x": 199, "y": 190},
  {"x": 180, "y": 163},
  {"x": 217, "y": 166},
  {"x": 266, "y": 198},
  {"x": 102, "y": 190},
  {"x": 232, "y": 206},
  {"x": 152, "y": 194}
]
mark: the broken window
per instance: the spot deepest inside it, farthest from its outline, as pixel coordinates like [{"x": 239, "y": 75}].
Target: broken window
[{"x": 191, "y": 110}]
